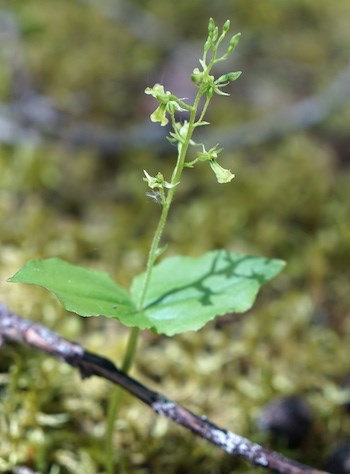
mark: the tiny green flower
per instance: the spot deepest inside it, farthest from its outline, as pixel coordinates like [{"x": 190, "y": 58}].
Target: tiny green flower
[
  {"x": 158, "y": 92},
  {"x": 222, "y": 175},
  {"x": 211, "y": 154},
  {"x": 182, "y": 131},
  {"x": 159, "y": 115},
  {"x": 197, "y": 76},
  {"x": 158, "y": 181},
  {"x": 168, "y": 103},
  {"x": 179, "y": 135},
  {"x": 152, "y": 181}
]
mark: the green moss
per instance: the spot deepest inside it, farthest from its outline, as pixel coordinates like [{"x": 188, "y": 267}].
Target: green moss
[{"x": 290, "y": 199}]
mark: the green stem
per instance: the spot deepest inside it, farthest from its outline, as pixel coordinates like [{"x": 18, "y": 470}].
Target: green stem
[
  {"x": 204, "y": 110},
  {"x": 116, "y": 399},
  {"x": 152, "y": 256}
]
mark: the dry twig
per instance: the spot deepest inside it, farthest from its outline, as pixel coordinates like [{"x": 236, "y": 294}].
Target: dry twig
[{"x": 16, "y": 329}]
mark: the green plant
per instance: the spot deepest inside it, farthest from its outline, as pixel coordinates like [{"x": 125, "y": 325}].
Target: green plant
[{"x": 179, "y": 293}]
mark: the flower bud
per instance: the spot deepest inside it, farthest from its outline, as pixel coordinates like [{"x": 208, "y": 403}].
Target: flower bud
[
  {"x": 226, "y": 26},
  {"x": 233, "y": 43},
  {"x": 229, "y": 77},
  {"x": 215, "y": 34},
  {"x": 211, "y": 26},
  {"x": 207, "y": 45}
]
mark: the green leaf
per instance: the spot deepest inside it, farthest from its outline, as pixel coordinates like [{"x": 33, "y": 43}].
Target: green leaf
[
  {"x": 185, "y": 293},
  {"x": 81, "y": 290}
]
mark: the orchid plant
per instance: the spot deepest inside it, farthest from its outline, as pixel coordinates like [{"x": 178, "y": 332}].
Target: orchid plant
[{"x": 178, "y": 293}]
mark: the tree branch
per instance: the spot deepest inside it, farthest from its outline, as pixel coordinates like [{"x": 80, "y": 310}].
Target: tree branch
[{"x": 16, "y": 329}]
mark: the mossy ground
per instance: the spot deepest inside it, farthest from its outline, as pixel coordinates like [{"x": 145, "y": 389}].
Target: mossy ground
[{"x": 291, "y": 200}]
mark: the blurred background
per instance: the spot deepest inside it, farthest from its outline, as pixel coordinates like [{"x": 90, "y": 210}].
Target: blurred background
[{"x": 75, "y": 136}]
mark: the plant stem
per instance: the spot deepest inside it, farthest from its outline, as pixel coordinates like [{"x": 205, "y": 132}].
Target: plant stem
[
  {"x": 116, "y": 399},
  {"x": 129, "y": 355},
  {"x": 152, "y": 256}
]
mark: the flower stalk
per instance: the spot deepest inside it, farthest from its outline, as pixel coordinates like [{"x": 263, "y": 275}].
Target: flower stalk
[{"x": 182, "y": 135}]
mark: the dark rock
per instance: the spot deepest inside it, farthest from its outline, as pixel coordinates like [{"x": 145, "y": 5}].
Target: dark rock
[
  {"x": 339, "y": 460},
  {"x": 288, "y": 420}
]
